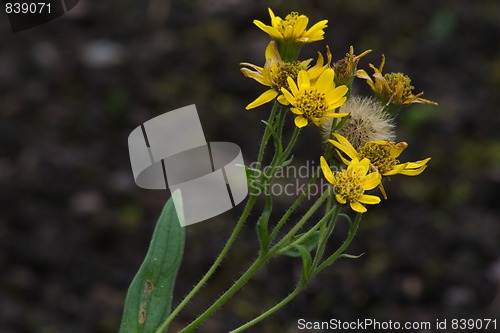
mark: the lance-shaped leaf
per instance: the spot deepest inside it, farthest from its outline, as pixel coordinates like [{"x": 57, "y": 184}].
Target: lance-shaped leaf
[
  {"x": 149, "y": 296},
  {"x": 310, "y": 243}
]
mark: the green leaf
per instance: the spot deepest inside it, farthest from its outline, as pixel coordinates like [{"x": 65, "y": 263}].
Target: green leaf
[
  {"x": 275, "y": 136},
  {"x": 340, "y": 124},
  {"x": 271, "y": 129},
  {"x": 262, "y": 223},
  {"x": 306, "y": 260},
  {"x": 350, "y": 256},
  {"x": 346, "y": 217},
  {"x": 287, "y": 162},
  {"x": 149, "y": 296},
  {"x": 310, "y": 243}
]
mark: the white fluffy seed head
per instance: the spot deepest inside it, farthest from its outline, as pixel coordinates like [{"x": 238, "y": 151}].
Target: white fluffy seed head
[{"x": 367, "y": 121}]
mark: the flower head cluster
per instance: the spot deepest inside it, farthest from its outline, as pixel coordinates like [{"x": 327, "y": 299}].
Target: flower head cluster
[
  {"x": 392, "y": 88},
  {"x": 362, "y": 127}
]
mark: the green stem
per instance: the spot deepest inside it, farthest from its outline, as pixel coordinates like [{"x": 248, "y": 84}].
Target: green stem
[
  {"x": 326, "y": 235},
  {"x": 291, "y": 144},
  {"x": 279, "y": 132},
  {"x": 251, "y": 201},
  {"x": 300, "y": 286},
  {"x": 301, "y": 222},
  {"x": 254, "y": 267},
  {"x": 272, "y": 310},
  {"x": 331, "y": 259},
  {"x": 279, "y": 158},
  {"x": 226, "y": 296},
  {"x": 312, "y": 230},
  {"x": 294, "y": 206},
  {"x": 267, "y": 134},
  {"x": 214, "y": 266}
]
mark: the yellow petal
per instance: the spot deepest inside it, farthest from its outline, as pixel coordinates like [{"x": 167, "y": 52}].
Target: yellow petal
[
  {"x": 357, "y": 207},
  {"x": 296, "y": 111},
  {"x": 335, "y": 114},
  {"x": 413, "y": 172},
  {"x": 274, "y": 21},
  {"x": 264, "y": 98},
  {"x": 397, "y": 149},
  {"x": 344, "y": 160},
  {"x": 418, "y": 164},
  {"x": 362, "y": 74},
  {"x": 256, "y": 76},
  {"x": 325, "y": 80},
  {"x": 318, "y": 121},
  {"x": 337, "y": 93},
  {"x": 272, "y": 52},
  {"x": 315, "y": 30},
  {"x": 254, "y": 67},
  {"x": 303, "y": 80},
  {"x": 424, "y": 101},
  {"x": 300, "y": 25},
  {"x": 282, "y": 100},
  {"x": 289, "y": 97},
  {"x": 300, "y": 121},
  {"x": 326, "y": 170},
  {"x": 352, "y": 166},
  {"x": 363, "y": 167},
  {"x": 320, "y": 61},
  {"x": 396, "y": 169},
  {"x": 293, "y": 87},
  {"x": 271, "y": 31},
  {"x": 340, "y": 199},
  {"x": 345, "y": 146},
  {"x": 369, "y": 199},
  {"x": 288, "y": 33},
  {"x": 371, "y": 180},
  {"x": 337, "y": 104},
  {"x": 305, "y": 63},
  {"x": 382, "y": 63},
  {"x": 381, "y": 142}
]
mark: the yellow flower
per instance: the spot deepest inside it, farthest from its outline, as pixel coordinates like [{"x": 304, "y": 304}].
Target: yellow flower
[
  {"x": 293, "y": 28},
  {"x": 314, "y": 101},
  {"x": 351, "y": 184},
  {"x": 392, "y": 88},
  {"x": 382, "y": 156},
  {"x": 275, "y": 72},
  {"x": 345, "y": 68}
]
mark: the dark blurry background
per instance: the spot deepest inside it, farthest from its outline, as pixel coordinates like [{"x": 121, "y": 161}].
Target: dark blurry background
[{"x": 74, "y": 227}]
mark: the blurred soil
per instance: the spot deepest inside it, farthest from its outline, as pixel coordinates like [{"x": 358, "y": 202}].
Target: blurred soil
[{"x": 74, "y": 227}]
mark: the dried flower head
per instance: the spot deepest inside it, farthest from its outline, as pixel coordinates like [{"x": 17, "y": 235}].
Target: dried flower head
[
  {"x": 345, "y": 68},
  {"x": 367, "y": 121},
  {"x": 392, "y": 88}
]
